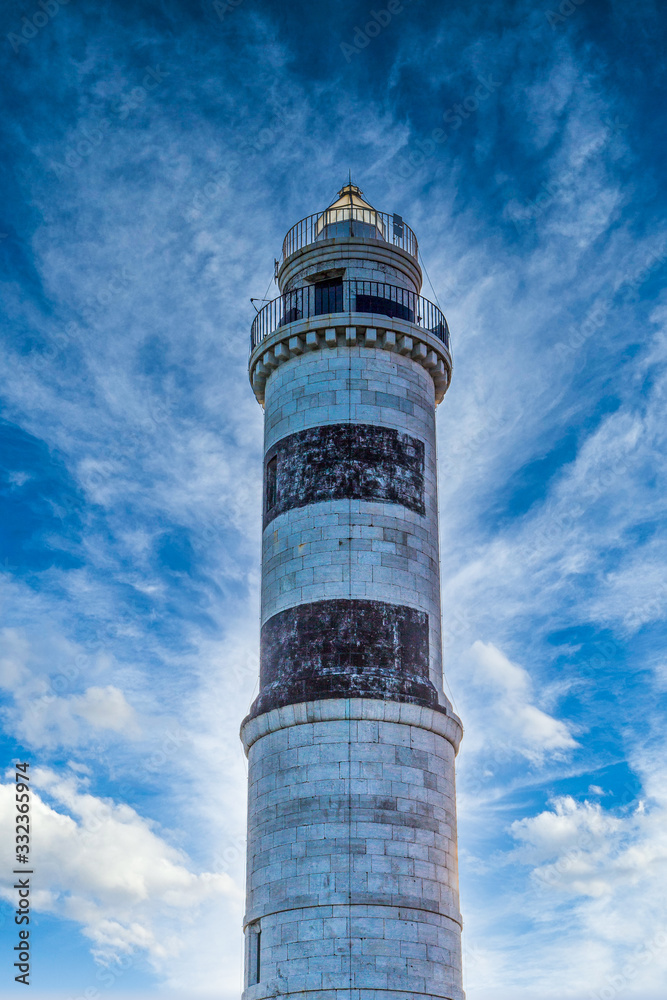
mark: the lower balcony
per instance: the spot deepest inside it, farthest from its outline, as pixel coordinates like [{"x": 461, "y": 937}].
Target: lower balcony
[
  {"x": 351, "y": 296},
  {"x": 350, "y": 330}
]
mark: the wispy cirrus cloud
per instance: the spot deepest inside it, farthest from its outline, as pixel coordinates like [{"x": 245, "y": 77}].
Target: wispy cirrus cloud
[{"x": 129, "y": 583}]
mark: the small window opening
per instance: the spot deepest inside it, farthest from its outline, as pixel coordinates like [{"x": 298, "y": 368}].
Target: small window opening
[
  {"x": 271, "y": 483},
  {"x": 254, "y": 938},
  {"x": 328, "y": 297}
]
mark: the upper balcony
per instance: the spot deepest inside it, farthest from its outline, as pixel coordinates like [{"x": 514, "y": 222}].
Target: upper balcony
[
  {"x": 347, "y": 221},
  {"x": 321, "y": 309},
  {"x": 351, "y": 296}
]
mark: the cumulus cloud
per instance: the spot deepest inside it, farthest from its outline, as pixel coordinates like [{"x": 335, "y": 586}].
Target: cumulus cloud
[
  {"x": 580, "y": 832},
  {"x": 106, "y": 708},
  {"x": 607, "y": 864},
  {"x": 115, "y": 874},
  {"x": 504, "y": 713},
  {"x": 46, "y": 718},
  {"x": 597, "y": 873}
]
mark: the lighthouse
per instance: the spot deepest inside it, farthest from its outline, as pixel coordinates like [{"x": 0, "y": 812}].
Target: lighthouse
[{"x": 352, "y": 877}]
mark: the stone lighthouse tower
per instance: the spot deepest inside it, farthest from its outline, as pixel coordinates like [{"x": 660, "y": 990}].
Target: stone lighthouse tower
[{"x": 352, "y": 884}]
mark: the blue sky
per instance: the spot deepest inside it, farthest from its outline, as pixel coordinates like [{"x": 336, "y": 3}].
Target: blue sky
[{"x": 154, "y": 157}]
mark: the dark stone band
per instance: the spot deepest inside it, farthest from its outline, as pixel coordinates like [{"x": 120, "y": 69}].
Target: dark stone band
[
  {"x": 345, "y": 649},
  {"x": 344, "y": 462}
]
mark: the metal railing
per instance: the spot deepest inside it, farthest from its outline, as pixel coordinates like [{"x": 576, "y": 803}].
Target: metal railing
[
  {"x": 354, "y": 295},
  {"x": 349, "y": 221}
]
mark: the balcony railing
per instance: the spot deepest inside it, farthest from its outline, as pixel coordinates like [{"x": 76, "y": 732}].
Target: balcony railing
[
  {"x": 349, "y": 221},
  {"x": 354, "y": 296}
]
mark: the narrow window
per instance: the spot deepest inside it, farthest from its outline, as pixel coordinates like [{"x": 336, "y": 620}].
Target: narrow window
[
  {"x": 328, "y": 297},
  {"x": 254, "y": 943},
  {"x": 271, "y": 483}
]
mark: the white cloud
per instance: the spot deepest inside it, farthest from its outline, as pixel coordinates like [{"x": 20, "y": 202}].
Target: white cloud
[
  {"x": 594, "y": 906},
  {"x": 18, "y": 478},
  {"x": 105, "y": 708},
  {"x": 568, "y": 830},
  {"x": 172, "y": 447},
  {"x": 45, "y": 717},
  {"x": 596, "y": 790},
  {"x": 114, "y": 873},
  {"x": 13, "y": 653},
  {"x": 610, "y": 866},
  {"x": 500, "y": 709}
]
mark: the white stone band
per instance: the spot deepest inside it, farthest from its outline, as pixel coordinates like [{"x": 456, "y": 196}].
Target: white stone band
[{"x": 354, "y": 710}]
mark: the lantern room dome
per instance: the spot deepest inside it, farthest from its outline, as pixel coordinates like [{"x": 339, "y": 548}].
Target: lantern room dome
[{"x": 350, "y": 215}]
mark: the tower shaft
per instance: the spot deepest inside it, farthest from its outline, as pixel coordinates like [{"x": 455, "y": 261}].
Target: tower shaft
[{"x": 352, "y": 880}]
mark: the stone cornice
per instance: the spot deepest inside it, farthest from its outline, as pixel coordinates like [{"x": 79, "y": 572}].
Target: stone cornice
[{"x": 351, "y": 330}]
